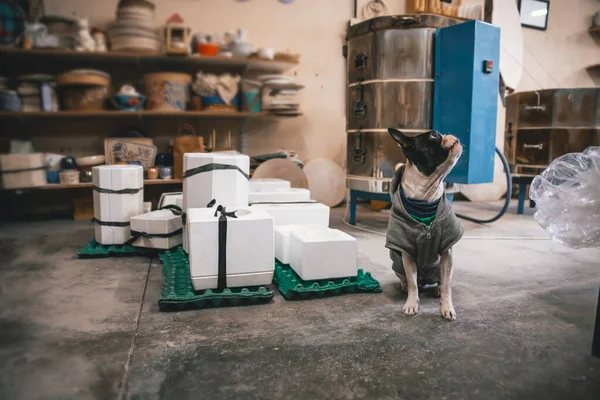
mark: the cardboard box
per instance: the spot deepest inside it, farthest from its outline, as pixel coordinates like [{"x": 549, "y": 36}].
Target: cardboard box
[
  {"x": 115, "y": 209},
  {"x": 249, "y": 248},
  {"x": 22, "y": 170},
  {"x": 282, "y": 239},
  {"x": 288, "y": 195},
  {"x": 158, "y": 223},
  {"x": 322, "y": 253},
  {"x": 297, "y": 214},
  {"x": 266, "y": 185},
  {"x": 229, "y": 187}
]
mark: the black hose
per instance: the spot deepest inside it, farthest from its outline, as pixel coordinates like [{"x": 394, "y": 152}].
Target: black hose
[{"x": 506, "y": 201}]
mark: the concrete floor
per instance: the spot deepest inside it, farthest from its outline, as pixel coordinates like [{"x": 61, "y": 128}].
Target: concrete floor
[{"x": 91, "y": 329}]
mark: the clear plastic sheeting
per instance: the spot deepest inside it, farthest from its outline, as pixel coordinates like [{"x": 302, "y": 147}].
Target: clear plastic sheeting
[{"x": 567, "y": 195}]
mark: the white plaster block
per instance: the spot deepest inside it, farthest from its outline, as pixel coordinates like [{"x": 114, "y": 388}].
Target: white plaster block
[
  {"x": 157, "y": 222},
  {"x": 113, "y": 207},
  {"x": 14, "y": 162},
  {"x": 282, "y": 239},
  {"x": 297, "y": 214},
  {"x": 322, "y": 253},
  {"x": 289, "y": 195},
  {"x": 168, "y": 199},
  {"x": 228, "y": 187},
  {"x": 268, "y": 184},
  {"x": 250, "y": 253}
]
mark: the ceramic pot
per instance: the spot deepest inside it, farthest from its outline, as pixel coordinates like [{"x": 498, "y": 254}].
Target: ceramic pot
[
  {"x": 68, "y": 163},
  {"x": 167, "y": 91},
  {"x": 153, "y": 173},
  {"x": 69, "y": 177},
  {"x": 166, "y": 173}
]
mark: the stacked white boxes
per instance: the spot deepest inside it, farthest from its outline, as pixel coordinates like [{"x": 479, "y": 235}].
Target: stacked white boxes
[
  {"x": 118, "y": 196},
  {"x": 214, "y": 176},
  {"x": 232, "y": 244}
]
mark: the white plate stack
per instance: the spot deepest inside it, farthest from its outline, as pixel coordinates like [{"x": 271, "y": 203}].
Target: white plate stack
[
  {"x": 37, "y": 93},
  {"x": 134, "y": 30},
  {"x": 279, "y": 94}
]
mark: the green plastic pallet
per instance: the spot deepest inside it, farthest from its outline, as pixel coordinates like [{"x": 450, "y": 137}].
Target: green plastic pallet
[
  {"x": 179, "y": 294},
  {"x": 96, "y": 250},
  {"x": 292, "y": 287}
]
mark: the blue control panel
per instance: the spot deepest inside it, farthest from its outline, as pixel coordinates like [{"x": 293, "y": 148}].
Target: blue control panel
[{"x": 465, "y": 96}]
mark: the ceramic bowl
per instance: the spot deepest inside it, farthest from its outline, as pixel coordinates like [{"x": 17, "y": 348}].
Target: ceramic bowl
[
  {"x": 90, "y": 161},
  {"x": 207, "y": 49},
  {"x": 166, "y": 173},
  {"x": 128, "y": 102},
  {"x": 69, "y": 177},
  {"x": 241, "y": 50},
  {"x": 267, "y": 53},
  {"x": 9, "y": 101}
]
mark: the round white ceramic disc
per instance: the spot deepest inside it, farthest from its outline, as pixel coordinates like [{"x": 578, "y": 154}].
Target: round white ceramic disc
[
  {"x": 326, "y": 181},
  {"x": 283, "y": 169}
]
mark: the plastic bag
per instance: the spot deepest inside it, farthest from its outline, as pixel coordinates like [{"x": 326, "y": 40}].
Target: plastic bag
[{"x": 567, "y": 196}]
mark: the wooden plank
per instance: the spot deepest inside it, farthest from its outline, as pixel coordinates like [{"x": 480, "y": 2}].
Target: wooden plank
[
  {"x": 59, "y": 186},
  {"x": 137, "y": 114},
  {"x": 58, "y": 55}
]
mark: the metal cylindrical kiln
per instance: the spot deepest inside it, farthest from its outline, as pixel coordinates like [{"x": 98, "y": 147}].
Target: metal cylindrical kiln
[{"x": 390, "y": 67}]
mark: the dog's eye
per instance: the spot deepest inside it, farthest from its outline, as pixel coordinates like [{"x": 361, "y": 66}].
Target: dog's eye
[{"x": 434, "y": 135}]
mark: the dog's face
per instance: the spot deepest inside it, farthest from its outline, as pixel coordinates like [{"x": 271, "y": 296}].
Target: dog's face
[{"x": 428, "y": 151}]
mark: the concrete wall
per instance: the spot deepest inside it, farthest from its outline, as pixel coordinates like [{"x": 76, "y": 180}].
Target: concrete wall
[{"x": 558, "y": 57}]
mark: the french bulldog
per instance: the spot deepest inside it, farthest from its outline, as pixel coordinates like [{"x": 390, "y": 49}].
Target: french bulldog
[{"x": 423, "y": 228}]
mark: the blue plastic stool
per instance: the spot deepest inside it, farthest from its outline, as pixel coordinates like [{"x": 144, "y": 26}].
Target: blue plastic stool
[{"x": 523, "y": 181}]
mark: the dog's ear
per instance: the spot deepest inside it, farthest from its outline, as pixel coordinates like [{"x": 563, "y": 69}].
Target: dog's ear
[{"x": 400, "y": 138}]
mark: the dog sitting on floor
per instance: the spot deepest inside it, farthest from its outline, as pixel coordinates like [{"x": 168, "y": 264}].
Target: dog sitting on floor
[{"x": 422, "y": 227}]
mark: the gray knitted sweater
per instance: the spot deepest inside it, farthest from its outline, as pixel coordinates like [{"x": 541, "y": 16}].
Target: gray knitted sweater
[{"x": 422, "y": 243}]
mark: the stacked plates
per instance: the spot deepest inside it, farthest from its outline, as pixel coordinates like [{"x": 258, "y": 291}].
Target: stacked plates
[
  {"x": 134, "y": 30},
  {"x": 37, "y": 93},
  {"x": 280, "y": 94},
  {"x": 63, "y": 28}
]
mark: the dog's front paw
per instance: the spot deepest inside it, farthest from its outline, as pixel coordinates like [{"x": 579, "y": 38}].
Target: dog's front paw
[
  {"x": 411, "y": 307},
  {"x": 447, "y": 310}
]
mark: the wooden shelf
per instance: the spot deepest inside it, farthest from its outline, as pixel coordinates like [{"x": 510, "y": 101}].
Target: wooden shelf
[
  {"x": 594, "y": 29},
  {"x": 58, "y": 186},
  {"x": 57, "y": 55},
  {"x": 138, "y": 114}
]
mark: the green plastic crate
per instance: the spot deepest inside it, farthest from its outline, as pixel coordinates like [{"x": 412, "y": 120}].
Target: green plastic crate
[
  {"x": 96, "y": 250},
  {"x": 292, "y": 287},
  {"x": 179, "y": 294}
]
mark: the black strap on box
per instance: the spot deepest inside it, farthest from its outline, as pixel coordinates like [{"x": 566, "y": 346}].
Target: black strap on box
[
  {"x": 213, "y": 167},
  {"x": 184, "y": 215},
  {"x": 176, "y": 210},
  {"x": 108, "y": 223},
  {"x": 222, "y": 274},
  {"x": 16, "y": 171},
  {"x": 135, "y": 235},
  {"x": 111, "y": 191}
]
